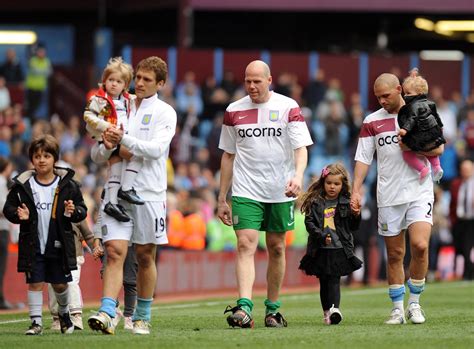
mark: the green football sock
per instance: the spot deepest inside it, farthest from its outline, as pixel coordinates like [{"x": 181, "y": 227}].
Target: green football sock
[
  {"x": 246, "y": 305},
  {"x": 271, "y": 307}
]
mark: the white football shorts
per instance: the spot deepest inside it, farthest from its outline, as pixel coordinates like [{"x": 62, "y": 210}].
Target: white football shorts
[
  {"x": 147, "y": 226},
  {"x": 393, "y": 219}
]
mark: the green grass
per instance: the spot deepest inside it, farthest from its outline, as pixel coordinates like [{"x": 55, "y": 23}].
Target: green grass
[{"x": 449, "y": 309}]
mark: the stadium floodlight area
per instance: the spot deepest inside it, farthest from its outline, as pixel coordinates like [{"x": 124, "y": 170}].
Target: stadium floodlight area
[
  {"x": 17, "y": 37},
  {"x": 441, "y": 55}
]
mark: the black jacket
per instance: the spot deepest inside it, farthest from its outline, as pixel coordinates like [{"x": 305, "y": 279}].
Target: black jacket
[
  {"x": 420, "y": 119},
  {"x": 345, "y": 222},
  {"x": 60, "y": 228},
  {"x": 418, "y": 112}
]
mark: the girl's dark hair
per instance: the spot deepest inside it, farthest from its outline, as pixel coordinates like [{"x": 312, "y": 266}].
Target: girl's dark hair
[
  {"x": 316, "y": 189},
  {"x": 46, "y": 143}
]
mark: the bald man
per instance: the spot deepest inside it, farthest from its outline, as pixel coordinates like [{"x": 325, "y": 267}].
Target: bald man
[
  {"x": 403, "y": 202},
  {"x": 264, "y": 138}
]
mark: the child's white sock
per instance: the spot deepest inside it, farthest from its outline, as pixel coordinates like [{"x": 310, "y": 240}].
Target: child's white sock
[
  {"x": 63, "y": 301},
  {"x": 35, "y": 305}
]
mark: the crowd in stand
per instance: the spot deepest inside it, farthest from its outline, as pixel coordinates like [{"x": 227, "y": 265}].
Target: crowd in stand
[{"x": 333, "y": 118}]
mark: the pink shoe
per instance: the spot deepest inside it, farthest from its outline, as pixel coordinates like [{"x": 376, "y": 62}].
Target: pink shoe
[
  {"x": 424, "y": 173},
  {"x": 326, "y": 318}
]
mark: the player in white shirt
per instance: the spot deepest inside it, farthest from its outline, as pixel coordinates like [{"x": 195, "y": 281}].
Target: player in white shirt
[
  {"x": 404, "y": 203},
  {"x": 264, "y": 138},
  {"x": 152, "y": 125}
]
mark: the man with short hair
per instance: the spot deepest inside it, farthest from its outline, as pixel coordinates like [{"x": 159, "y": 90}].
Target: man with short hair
[
  {"x": 151, "y": 126},
  {"x": 404, "y": 203},
  {"x": 264, "y": 138}
]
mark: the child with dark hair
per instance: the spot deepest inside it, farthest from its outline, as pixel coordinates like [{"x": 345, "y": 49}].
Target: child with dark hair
[
  {"x": 330, "y": 225},
  {"x": 45, "y": 202}
]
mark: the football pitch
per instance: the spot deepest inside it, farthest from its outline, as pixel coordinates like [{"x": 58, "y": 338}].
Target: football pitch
[{"x": 449, "y": 309}]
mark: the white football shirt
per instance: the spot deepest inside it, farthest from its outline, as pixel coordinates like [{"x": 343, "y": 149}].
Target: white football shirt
[
  {"x": 43, "y": 196},
  {"x": 263, "y": 137},
  {"x": 397, "y": 183}
]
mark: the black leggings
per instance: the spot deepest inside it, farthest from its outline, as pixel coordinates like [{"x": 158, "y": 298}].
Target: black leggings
[{"x": 330, "y": 291}]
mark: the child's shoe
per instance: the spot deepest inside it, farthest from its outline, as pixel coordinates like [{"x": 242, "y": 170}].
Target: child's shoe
[
  {"x": 424, "y": 173},
  {"x": 437, "y": 174},
  {"x": 128, "y": 323},
  {"x": 116, "y": 211},
  {"x": 130, "y": 196},
  {"x": 34, "y": 330},
  {"x": 326, "y": 318},
  {"x": 118, "y": 317},
  {"x": 335, "y": 315}
]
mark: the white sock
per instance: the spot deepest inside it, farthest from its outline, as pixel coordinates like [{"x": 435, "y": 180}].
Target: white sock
[
  {"x": 130, "y": 173},
  {"x": 63, "y": 301},
  {"x": 35, "y": 305},
  {"x": 398, "y": 305},
  {"x": 114, "y": 182}
]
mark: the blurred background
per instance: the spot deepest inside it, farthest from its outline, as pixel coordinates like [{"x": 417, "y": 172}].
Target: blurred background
[{"x": 323, "y": 54}]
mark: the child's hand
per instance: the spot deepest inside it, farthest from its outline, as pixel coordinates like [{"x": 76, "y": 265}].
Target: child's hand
[
  {"x": 23, "y": 212},
  {"x": 69, "y": 208},
  {"x": 97, "y": 252}
]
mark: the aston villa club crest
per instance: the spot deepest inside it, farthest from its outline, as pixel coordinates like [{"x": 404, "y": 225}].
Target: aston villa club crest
[
  {"x": 274, "y": 115},
  {"x": 146, "y": 119}
]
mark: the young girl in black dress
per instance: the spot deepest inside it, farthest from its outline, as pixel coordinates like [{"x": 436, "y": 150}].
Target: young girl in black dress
[{"x": 330, "y": 225}]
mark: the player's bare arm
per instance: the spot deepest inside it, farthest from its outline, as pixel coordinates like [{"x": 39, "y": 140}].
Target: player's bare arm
[
  {"x": 295, "y": 184},
  {"x": 223, "y": 209},
  {"x": 360, "y": 172}
]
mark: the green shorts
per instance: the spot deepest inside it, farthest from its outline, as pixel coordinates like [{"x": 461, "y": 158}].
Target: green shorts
[{"x": 263, "y": 216}]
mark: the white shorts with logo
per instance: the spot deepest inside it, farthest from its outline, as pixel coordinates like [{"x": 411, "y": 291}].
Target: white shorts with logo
[
  {"x": 393, "y": 219},
  {"x": 147, "y": 226}
]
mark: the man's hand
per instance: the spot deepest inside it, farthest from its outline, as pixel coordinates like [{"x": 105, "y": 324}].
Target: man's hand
[
  {"x": 224, "y": 213},
  {"x": 293, "y": 187},
  {"x": 402, "y": 145},
  {"x": 114, "y": 134},
  {"x": 356, "y": 200},
  {"x": 107, "y": 144}
]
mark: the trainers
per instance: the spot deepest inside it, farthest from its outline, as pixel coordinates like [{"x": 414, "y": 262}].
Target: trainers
[
  {"x": 127, "y": 323},
  {"x": 55, "y": 325},
  {"x": 34, "y": 330},
  {"x": 326, "y": 318},
  {"x": 77, "y": 321},
  {"x": 438, "y": 175},
  {"x": 396, "y": 317},
  {"x": 141, "y": 327},
  {"x": 415, "y": 314},
  {"x": 130, "y": 196},
  {"x": 118, "y": 317},
  {"x": 239, "y": 317},
  {"x": 116, "y": 211},
  {"x": 65, "y": 323},
  {"x": 275, "y": 320},
  {"x": 101, "y": 322},
  {"x": 335, "y": 315}
]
